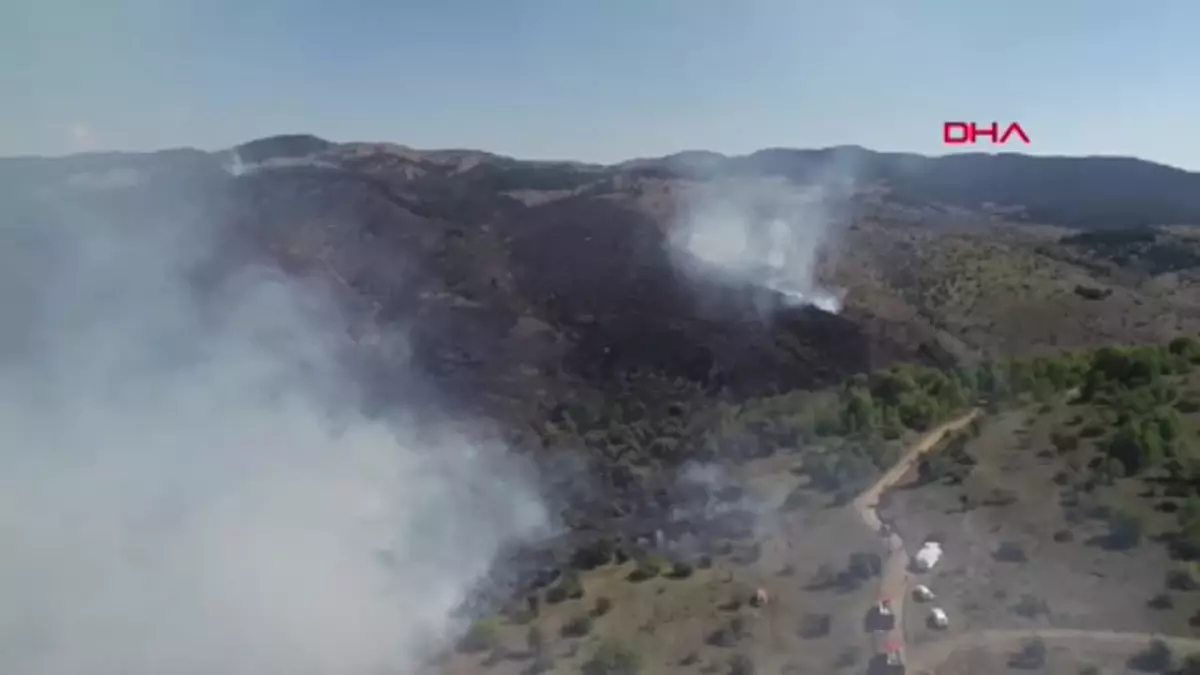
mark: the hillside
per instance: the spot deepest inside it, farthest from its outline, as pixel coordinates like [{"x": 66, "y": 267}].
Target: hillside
[{"x": 638, "y": 331}]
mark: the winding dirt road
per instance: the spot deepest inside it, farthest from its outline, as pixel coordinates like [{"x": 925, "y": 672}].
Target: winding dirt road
[{"x": 894, "y": 579}]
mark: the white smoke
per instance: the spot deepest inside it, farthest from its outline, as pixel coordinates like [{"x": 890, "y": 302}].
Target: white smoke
[
  {"x": 234, "y": 164},
  {"x": 187, "y": 486},
  {"x": 759, "y": 232}
]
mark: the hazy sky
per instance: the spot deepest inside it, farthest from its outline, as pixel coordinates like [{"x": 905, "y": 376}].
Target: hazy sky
[{"x": 600, "y": 80}]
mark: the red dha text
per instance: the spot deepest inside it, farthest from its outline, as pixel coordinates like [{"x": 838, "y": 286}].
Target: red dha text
[{"x": 968, "y": 133}]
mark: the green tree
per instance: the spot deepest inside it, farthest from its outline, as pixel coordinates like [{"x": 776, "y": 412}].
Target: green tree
[
  {"x": 858, "y": 412},
  {"x": 613, "y": 658}
]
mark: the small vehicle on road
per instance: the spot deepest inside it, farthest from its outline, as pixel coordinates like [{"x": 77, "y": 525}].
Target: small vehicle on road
[
  {"x": 888, "y": 658},
  {"x": 881, "y": 617}
]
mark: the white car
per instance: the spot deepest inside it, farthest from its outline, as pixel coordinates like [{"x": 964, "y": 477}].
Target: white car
[{"x": 928, "y": 556}]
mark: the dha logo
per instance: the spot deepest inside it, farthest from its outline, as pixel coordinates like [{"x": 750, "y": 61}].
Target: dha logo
[{"x": 968, "y": 133}]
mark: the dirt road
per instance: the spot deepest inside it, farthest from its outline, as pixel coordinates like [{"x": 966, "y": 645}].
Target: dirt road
[{"x": 894, "y": 579}]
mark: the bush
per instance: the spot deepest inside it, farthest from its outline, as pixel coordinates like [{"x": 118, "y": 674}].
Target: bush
[
  {"x": 1124, "y": 531},
  {"x": 681, "y": 570},
  {"x": 740, "y": 664},
  {"x": 1010, "y": 551},
  {"x": 728, "y": 635},
  {"x": 865, "y": 565},
  {"x": 1030, "y": 607},
  {"x": 1160, "y": 601},
  {"x": 1182, "y": 579},
  {"x": 647, "y": 568},
  {"x": 1188, "y": 406},
  {"x": 577, "y": 627},
  {"x": 1157, "y": 657},
  {"x": 814, "y": 626},
  {"x": 1064, "y": 442},
  {"x": 568, "y": 588},
  {"x": 1031, "y": 656},
  {"x": 480, "y": 637},
  {"x": 594, "y": 555},
  {"x": 603, "y": 605},
  {"x": 613, "y": 658}
]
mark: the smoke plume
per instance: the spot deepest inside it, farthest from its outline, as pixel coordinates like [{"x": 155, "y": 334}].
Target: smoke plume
[
  {"x": 188, "y": 486},
  {"x": 761, "y": 233}
]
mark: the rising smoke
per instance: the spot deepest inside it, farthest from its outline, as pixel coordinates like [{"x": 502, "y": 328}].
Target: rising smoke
[
  {"x": 187, "y": 485},
  {"x": 764, "y": 233}
]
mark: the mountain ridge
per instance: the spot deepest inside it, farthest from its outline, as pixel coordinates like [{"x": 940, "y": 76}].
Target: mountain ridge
[{"x": 468, "y": 245}]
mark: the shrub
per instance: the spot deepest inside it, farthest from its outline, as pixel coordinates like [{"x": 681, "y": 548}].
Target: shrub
[
  {"x": 603, "y": 605},
  {"x": 1030, "y": 607},
  {"x": 481, "y": 636},
  {"x": 1124, "y": 531},
  {"x": 865, "y": 565},
  {"x": 1010, "y": 551},
  {"x": 596, "y": 554},
  {"x": 613, "y": 658},
  {"x": 1182, "y": 579},
  {"x": 577, "y": 627},
  {"x": 1157, "y": 657},
  {"x": 681, "y": 570},
  {"x": 1160, "y": 601},
  {"x": 1031, "y": 656},
  {"x": 740, "y": 664},
  {"x": 1064, "y": 442},
  {"x": 728, "y": 635},
  {"x": 568, "y": 588},
  {"x": 814, "y": 626},
  {"x": 647, "y": 568}
]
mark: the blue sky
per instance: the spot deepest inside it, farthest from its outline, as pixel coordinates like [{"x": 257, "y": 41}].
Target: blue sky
[{"x": 601, "y": 80}]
